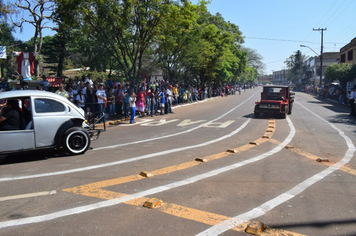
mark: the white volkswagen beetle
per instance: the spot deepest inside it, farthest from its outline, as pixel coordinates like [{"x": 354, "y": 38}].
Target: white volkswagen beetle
[{"x": 49, "y": 121}]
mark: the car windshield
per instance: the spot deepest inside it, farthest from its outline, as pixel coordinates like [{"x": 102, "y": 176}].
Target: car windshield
[{"x": 271, "y": 93}]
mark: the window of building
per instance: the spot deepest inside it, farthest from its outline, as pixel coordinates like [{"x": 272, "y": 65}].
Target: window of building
[
  {"x": 342, "y": 58},
  {"x": 350, "y": 55}
]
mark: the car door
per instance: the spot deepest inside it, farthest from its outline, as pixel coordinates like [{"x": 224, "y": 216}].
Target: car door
[
  {"x": 18, "y": 140},
  {"x": 49, "y": 115}
]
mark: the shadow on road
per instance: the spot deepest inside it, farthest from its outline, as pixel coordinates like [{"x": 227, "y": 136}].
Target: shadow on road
[
  {"x": 318, "y": 224},
  {"x": 29, "y": 157},
  {"x": 333, "y": 106}
]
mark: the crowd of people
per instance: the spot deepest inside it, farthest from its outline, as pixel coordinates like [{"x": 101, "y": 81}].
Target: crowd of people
[
  {"x": 332, "y": 91},
  {"x": 335, "y": 92},
  {"x": 124, "y": 100}
]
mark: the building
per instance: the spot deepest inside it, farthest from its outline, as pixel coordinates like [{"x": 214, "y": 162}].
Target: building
[
  {"x": 348, "y": 53},
  {"x": 312, "y": 67},
  {"x": 280, "y": 76}
]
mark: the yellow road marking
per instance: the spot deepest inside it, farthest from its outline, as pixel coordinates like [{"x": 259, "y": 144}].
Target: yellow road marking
[
  {"x": 27, "y": 195},
  {"x": 95, "y": 190},
  {"x": 348, "y": 169},
  {"x": 313, "y": 157}
]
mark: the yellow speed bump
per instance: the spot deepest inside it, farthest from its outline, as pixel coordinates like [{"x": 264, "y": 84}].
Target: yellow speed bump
[
  {"x": 322, "y": 160},
  {"x": 266, "y": 136},
  {"x": 232, "y": 151},
  {"x": 255, "y": 228},
  {"x": 201, "y": 159},
  {"x": 153, "y": 203},
  {"x": 289, "y": 147},
  {"x": 146, "y": 174},
  {"x": 254, "y": 143}
]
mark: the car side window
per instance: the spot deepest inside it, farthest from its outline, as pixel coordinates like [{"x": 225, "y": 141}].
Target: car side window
[{"x": 48, "y": 105}]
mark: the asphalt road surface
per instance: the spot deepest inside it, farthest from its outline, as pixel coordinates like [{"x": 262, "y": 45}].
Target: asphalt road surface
[{"x": 210, "y": 168}]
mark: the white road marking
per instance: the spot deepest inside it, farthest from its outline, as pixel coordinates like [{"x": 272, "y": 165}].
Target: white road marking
[
  {"x": 218, "y": 124},
  {"x": 132, "y": 159},
  {"x": 141, "y": 121},
  {"x": 174, "y": 134},
  {"x": 159, "y": 123},
  {"x": 187, "y": 122},
  {"x": 271, "y": 204},
  {"x": 82, "y": 209},
  {"x": 27, "y": 195}
]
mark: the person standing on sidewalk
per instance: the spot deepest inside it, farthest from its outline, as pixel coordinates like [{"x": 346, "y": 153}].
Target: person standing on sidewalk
[
  {"x": 162, "y": 101},
  {"x": 126, "y": 103},
  {"x": 169, "y": 96},
  {"x": 132, "y": 107},
  {"x": 102, "y": 98},
  {"x": 351, "y": 101}
]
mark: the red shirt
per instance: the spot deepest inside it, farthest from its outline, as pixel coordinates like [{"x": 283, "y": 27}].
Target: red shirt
[{"x": 140, "y": 96}]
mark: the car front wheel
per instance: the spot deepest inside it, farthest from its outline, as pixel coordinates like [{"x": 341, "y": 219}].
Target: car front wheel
[{"x": 76, "y": 141}]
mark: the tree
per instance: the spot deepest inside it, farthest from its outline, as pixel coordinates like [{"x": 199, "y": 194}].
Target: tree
[
  {"x": 295, "y": 66},
  {"x": 220, "y": 58},
  {"x": 255, "y": 60},
  {"x": 124, "y": 30},
  {"x": 343, "y": 72},
  {"x": 6, "y": 37},
  {"x": 39, "y": 14},
  {"x": 176, "y": 36}
]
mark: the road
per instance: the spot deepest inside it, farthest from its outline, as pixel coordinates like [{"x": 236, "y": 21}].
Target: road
[{"x": 208, "y": 169}]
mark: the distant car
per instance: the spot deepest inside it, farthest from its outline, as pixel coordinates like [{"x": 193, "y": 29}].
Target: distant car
[
  {"x": 275, "y": 99},
  {"x": 50, "y": 121}
]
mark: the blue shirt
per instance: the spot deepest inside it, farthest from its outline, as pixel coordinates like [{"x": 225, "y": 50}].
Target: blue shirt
[
  {"x": 162, "y": 97},
  {"x": 127, "y": 97}
]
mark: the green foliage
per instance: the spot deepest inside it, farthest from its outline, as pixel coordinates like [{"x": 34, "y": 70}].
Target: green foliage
[
  {"x": 295, "y": 66},
  {"x": 135, "y": 37},
  {"x": 343, "y": 72}
]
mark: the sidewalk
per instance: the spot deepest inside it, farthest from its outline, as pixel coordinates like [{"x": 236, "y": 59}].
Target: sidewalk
[{"x": 345, "y": 108}]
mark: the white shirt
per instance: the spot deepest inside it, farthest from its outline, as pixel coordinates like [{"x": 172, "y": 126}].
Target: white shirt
[
  {"x": 89, "y": 80},
  {"x": 102, "y": 94},
  {"x": 132, "y": 102},
  {"x": 81, "y": 100}
]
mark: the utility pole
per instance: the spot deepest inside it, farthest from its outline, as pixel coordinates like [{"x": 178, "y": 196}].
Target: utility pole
[{"x": 321, "y": 51}]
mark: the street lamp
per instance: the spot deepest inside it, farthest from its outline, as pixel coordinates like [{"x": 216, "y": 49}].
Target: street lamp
[
  {"x": 321, "y": 62},
  {"x": 310, "y": 49}
]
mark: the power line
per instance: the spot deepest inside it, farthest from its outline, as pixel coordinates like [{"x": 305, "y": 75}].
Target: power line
[
  {"x": 322, "y": 18},
  {"x": 334, "y": 12},
  {"x": 340, "y": 13},
  {"x": 291, "y": 40}
]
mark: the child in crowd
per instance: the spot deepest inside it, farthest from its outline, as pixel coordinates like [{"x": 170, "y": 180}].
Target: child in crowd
[
  {"x": 132, "y": 101},
  {"x": 88, "y": 114},
  {"x": 162, "y": 101}
]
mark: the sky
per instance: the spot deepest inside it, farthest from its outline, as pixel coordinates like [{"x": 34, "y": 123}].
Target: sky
[{"x": 277, "y": 28}]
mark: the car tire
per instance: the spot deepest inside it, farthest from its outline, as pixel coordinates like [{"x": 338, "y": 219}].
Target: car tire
[
  {"x": 76, "y": 141},
  {"x": 257, "y": 114}
]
